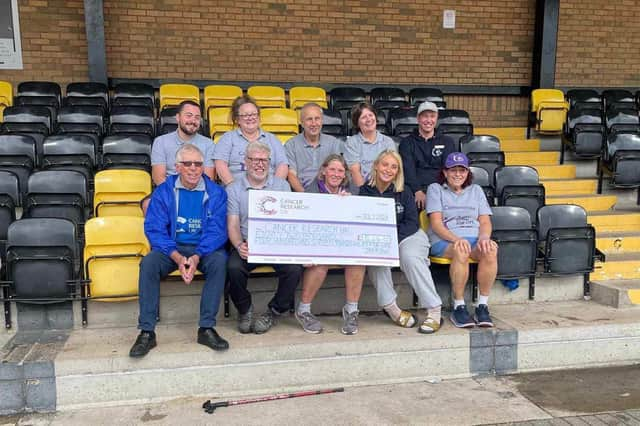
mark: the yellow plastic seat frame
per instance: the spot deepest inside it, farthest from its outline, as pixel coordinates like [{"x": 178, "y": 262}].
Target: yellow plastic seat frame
[
  {"x": 172, "y": 94},
  {"x": 268, "y": 96},
  {"x": 118, "y": 192}
]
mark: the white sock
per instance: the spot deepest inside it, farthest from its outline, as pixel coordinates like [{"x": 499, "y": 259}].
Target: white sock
[
  {"x": 304, "y": 307},
  {"x": 393, "y": 310},
  {"x": 351, "y": 307},
  {"x": 483, "y": 300},
  {"x": 435, "y": 313},
  {"x": 457, "y": 303}
]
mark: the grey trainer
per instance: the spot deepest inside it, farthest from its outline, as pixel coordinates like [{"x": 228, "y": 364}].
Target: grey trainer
[
  {"x": 349, "y": 322},
  {"x": 309, "y": 322},
  {"x": 264, "y": 322},
  {"x": 245, "y": 321}
]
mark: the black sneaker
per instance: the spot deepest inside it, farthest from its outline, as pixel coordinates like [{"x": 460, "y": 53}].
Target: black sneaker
[
  {"x": 482, "y": 316},
  {"x": 210, "y": 338},
  {"x": 144, "y": 343},
  {"x": 460, "y": 317}
]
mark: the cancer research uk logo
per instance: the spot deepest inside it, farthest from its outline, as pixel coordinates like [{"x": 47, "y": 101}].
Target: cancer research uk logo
[
  {"x": 269, "y": 205},
  {"x": 266, "y": 205}
]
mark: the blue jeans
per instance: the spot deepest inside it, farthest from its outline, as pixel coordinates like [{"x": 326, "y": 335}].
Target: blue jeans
[{"x": 156, "y": 265}]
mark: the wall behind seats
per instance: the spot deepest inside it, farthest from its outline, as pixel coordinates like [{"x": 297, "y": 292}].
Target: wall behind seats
[
  {"x": 54, "y": 46},
  {"x": 598, "y": 40}
]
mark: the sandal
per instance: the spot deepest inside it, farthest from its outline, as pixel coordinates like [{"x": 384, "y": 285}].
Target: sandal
[
  {"x": 430, "y": 326},
  {"x": 404, "y": 319}
]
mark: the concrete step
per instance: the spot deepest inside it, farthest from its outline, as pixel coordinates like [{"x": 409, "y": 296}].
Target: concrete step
[
  {"x": 523, "y": 145},
  {"x": 624, "y": 266},
  {"x": 555, "y": 187},
  {"x": 565, "y": 171},
  {"x": 616, "y": 221},
  {"x": 502, "y": 133},
  {"x": 548, "y": 158},
  {"x": 618, "y": 242},
  {"x": 94, "y": 369},
  {"x": 588, "y": 202},
  {"x": 616, "y": 293}
]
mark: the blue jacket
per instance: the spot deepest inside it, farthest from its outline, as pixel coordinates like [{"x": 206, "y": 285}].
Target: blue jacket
[{"x": 160, "y": 222}]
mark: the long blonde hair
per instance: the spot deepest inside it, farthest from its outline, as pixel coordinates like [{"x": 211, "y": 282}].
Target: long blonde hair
[{"x": 398, "y": 182}]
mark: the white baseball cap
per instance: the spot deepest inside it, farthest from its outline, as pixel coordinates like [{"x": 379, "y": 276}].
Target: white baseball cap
[{"x": 427, "y": 106}]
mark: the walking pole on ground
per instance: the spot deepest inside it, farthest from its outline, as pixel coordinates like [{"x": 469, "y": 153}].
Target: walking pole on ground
[{"x": 210, "y": 407}]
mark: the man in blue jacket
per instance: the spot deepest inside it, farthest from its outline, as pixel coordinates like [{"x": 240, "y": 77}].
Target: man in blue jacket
[{"x": 186, "y": 225}]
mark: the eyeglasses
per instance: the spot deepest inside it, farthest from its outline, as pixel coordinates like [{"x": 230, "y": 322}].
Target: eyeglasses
[
  {"x": 191, "y": 163},
  {"x": 258, "y": 160},
  {"x": 250, "y": 115}
]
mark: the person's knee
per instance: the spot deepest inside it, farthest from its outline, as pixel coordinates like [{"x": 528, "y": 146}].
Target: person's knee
[{"x": 459, "y": 255}]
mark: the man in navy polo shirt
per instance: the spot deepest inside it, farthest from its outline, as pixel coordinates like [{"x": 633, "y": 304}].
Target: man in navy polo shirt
[
  {"x": 186, "y": 225},
  {"x": 423, "y": 153}
]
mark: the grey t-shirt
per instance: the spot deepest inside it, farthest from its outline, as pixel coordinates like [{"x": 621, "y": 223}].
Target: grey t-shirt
[
  {"x": 459, "y": 211},
  {"x": 232, "y": 145},
  {"x": 359, "y": 150},
  {"x": 238, "y": 197},
  {"x": 164, "y": 148},
  {"x": 306, "y": 159}
]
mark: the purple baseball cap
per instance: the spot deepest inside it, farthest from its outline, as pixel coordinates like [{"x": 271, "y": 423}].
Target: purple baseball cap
[{"x": 456, "y": 159}]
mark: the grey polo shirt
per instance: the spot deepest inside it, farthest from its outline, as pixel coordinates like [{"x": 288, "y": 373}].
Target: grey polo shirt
[
  {"x": 306, "y": 159},
  {"x": 459, "y": 211},
  {"x": 164, "y": 148},
  {"x": 238, "y": 197},
  {"x": 232, "y": 146},
  {"x": 359, "y": 150}
]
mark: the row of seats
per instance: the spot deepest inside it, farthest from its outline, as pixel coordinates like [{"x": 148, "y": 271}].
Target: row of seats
[{"x": 45, "y": 264}]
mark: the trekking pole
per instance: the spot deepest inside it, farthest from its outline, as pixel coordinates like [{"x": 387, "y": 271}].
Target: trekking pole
[{"x": 210, "y": 407}]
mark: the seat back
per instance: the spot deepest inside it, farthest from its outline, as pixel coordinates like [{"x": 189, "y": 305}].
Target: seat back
[
  {"x": 394, "y": 94},
  {"x": 6, "y": 93},
  {"x": 431, "y": 94},
  {"x": 173, "y": 94},
  {"x": 455, "y": 123},
  {"x": 300, "y": 95},
  {"x": 583, "y": 96},
  {"x": 332, "y": 123},
  {"x": 81, "y": 118},
  {"x": 36, "y": 116},
  {"x": 618, "y": 97},
  {"x": 549, "y": 110},
  {"x": 42, "y": 255},
  {"x": 134, "y": 94},
  {"x": 620, "y": 119},
  {"x": 219, "y": 122},
  {"x": 481, "y": 177},
  {"x": 529, "y": 197},
  {"x": 9, "y": 199},
  {"x": 220, "y": 96},
  {"x": 113, "y": 248},
  {"x": 18, "y": 155},
  {"x": 403, "y": 121},
  {"x": 40, "y": 88},
  {"x": 479, "y": 143},
  {"x": 167, "y": 121},
  {"x": 70, "y": 152},
  {"x": 127, "y": 151},
  {"x": 268, "y": 96},
  {"x": 132, "y": 119},
  {"x": 342, "y": 98},
  {"x": 622, "y": 156},
  {"x": 279, "y": 121},
  {"x": 57, "y": 194},
  {"x": 514, "y": 175},
  {"x": 88, "y": 93},
  {"x": 118, "y": 192},
  {"x": 511, "y": 229}
]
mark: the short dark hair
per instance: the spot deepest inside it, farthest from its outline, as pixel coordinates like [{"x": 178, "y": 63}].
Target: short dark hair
[
  {"x": 237, "y": 103},
  {"x": 357, "y": 111},
  {"x": 187, "y": 102}
]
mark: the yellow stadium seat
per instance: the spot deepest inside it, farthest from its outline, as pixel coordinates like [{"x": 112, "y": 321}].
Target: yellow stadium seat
[
  {"x": 218, "y": 96},
  {"x": 282, "y": 122},
  {"x": 173, "y": 94},
  {"x": 548, "y": 111},
  {"x": 118, "y": 192},
  {"x": 424, "y": 225},
  {"x": 113, "y": 248},
  {"x": 298, "y": 96},
  {"x": 219, "y": 122},
  {"x": 6, "y": 93},
  {"x": 268, "y": 96}
]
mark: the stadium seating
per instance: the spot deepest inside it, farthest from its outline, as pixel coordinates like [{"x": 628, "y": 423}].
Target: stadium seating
[
  {"x": 332, "y": 124},
  {"x": 481, "y": 177},
  {"x": 87, "y": 93},
  {"x": 421, "y": 94},
  {"x": 282, "y": 122},
  {"x": 342, "y": 99},
  {"x": 483, "y": 151},
  {"x": 132, "y": 119},
  {"x": 621, "y": 159},
  {"x": 113, "y": 248},
  {"x": 9, "y": 199},
  {"x": 49, "y": 102},
  {"x": 70, "y": 152},
  {"x": 268, "y": 96},
  {"x": 219, "y": 122},
  {"x": 384, "y": 99},
  {"x": 6, "y": 96},
  {"x": 40, "y": 88},
  {"x": 57, "y": 194},
  {"x": 220, "y": 96},
  {"x": 18, "y": 155},
  {"x": 134, "y": 94},
  {"x": 454, "y": 123},
  {"x": 619, "y": 119},
  {"x": 548, "y": 111},
  {"x": 81, "y": 119},
  {"x": 167, "y": 121},
  {"x": 567, "y": 241},
  {"x": 517, "y": 244},
  {"x": 173, "y": 94},
  {"x": 127, "y": 152},
  {"x": 519, "y": 186},
  {"x": 33, "y": 121},
  {"x": 300, "y": 95},
  {"x": 583, "y": 98},
  {"x": 618, "y": 98},
  {"x": 583, "y": 133},
  {"x": 118, "y": 192},
  {"x": 402, "y": 121}
]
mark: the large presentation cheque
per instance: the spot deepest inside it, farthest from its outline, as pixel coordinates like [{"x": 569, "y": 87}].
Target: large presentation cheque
[{"x": 291, "y": 227}]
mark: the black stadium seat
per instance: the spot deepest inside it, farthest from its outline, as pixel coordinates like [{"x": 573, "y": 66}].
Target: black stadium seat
[
  {"x": 332, "y": 123},
  {"x": 402, "y": 121},
  {"x": 81, "y": 119},
  {"x": 9, "y": 199},
  {"x": 421, "y": 94},
  {"x": 621, "y": 157},
  {"x": 127, "y": 152},
  {"x": 583, "y": 97},
  {"x": 583, "y": 132},
  {"x": 18, "y": 155},
  {"x": 619, "y": 98},
  {"x": 40, "y": 88},
  {"x": 519, "y": 186},
  {"x": 57, "y": 194},
  {"x": 454, "y": 123},
  {"x": 70, "y": 152},
  {"x": 132, "y": 120},
  {"x": 481, "y": 177},
  {"x": 483, "y": 151},
  {"x": 134, "y": 94}
]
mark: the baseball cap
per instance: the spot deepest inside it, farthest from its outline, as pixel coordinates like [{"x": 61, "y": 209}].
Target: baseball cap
[
  {"x": 456, "y": 159},
  {"x": 427, "y": 106}
]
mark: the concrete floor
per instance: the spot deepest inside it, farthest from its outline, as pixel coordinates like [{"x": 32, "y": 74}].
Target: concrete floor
[{"x": 594, "y": 396}]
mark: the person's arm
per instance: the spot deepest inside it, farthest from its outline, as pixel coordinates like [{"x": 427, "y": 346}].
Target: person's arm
[
  {"x": 295, "y": 183},
  {"x": 210, "y": 172},
  {"x": 410, "y": 173},
  {"x": 282, "y": 171},
  {"x": 235, "y": 236},
  {"x": 352, "y": 158},
  {"x": 214, "y": 234},
  {"x": 485, "y": 244},
  {"x": 356, "y": 175},
  {"x": 224, "y": 173},
  {"x": 158, "y": 173}
]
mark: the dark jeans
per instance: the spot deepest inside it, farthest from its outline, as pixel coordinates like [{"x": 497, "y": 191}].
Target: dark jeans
[
  {"x": 155, "y": 266},
  {"x": 239, "y": 269}
]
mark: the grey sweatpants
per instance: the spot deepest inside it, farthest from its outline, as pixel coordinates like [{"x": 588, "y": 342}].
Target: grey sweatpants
[{"x": 414, "y": 262}]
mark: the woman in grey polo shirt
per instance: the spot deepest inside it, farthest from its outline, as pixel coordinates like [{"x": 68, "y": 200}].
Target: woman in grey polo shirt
[
  {"x": 460, "y": 230},
  {"x": 363, "y": 148}
]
